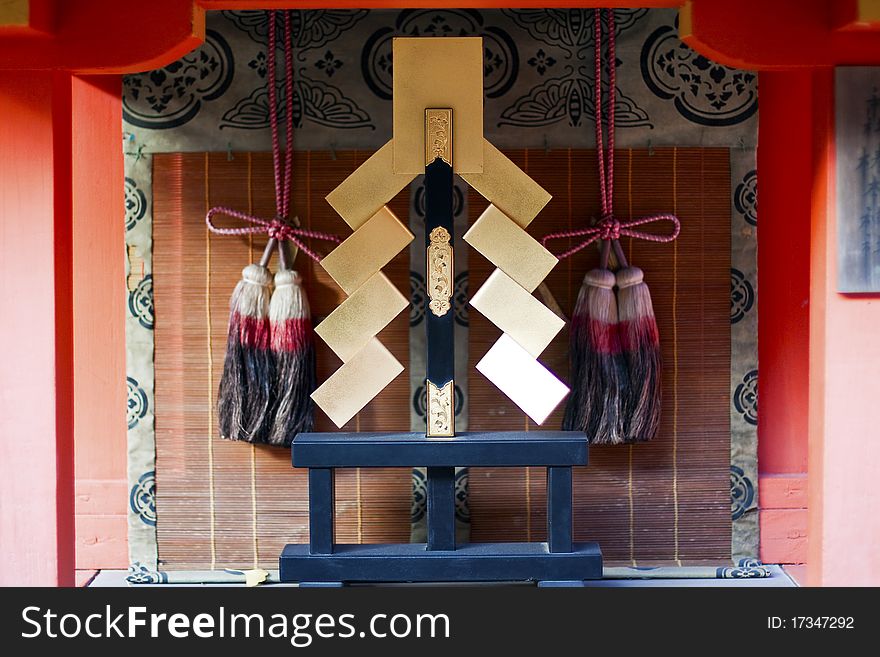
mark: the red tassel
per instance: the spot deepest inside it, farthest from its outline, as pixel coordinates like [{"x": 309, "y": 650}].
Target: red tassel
[
  {"x": 640, "y": 341},
  {"x": 243, "y": 399},
  {"x": 598, "y": 370},
  {"x": 294, "y": 358}
]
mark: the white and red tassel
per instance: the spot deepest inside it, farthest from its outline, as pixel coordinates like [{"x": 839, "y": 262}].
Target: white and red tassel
[
  {"x": 293, "y": 355},
  {"x": 640, "y": 342},
  {"x": 598, "y": 369},
  {"x": 244, "y": 397}
]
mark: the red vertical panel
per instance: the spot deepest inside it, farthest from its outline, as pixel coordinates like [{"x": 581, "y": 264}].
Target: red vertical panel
[
  {"x": 98, "y": 288},
  {"x": 36, "y": 380}
]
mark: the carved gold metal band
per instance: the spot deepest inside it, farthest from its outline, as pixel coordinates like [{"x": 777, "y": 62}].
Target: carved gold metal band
[
  {"x": 438, "y": 135},
  {"x": 441, "y": 410},
  {"x": 440, "y": 271}
]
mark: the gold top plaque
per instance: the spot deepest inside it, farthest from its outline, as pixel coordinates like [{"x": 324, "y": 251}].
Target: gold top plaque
[{"x": 442, "y": 72}]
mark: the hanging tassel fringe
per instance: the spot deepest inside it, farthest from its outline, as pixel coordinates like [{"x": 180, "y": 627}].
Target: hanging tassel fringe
[
  {"x": 293, "y": 352},
  {"x": 244, "y": 397},
  {"x": 640, "y": 342},
  {"x": 598, "y": 369},
  {"x": 615, "y": 345}
]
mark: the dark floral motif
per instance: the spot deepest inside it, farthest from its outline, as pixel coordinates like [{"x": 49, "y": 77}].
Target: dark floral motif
[
  {"x": 742, "y": 296},
  {"x": 416, "y": 298},
  {"x": 419, "y": 500},
  {"x": 135, "y": 203},
  {"x": 492, "y": 61},
  {"x": 385, "y": 63},
  {"x": 312, "y": 28},
  {"x": 742, "y": 492},
  {"x": 745, "y": 197},
  {"x": 569, "y": 98},
  {"x": 140, "y": 302},
  {"x": 142, "y": 498},
  {"x": 259, "y": 64},
  {"x": 462, "y": 511},
  {"x": 541, "y": 61},
  {"x": 745, "y": 397},
  {"x": 702, "y": 91},
  {"x": 136, "y": 404},
  {"x": 329, "y": 64},
  {"x": 500, "y": 55},
  {"x": 438, "y": 26},
  {"x": 569, "y": 29},
  {"x": 420, "y": 401},
  {"x": 460, "y": 299},
  {"x": 313, "y": 100},
  {"x": 172, "y": 96},
  {"x": 138, "y": 573},
  {"x": 745, "y": 569}
]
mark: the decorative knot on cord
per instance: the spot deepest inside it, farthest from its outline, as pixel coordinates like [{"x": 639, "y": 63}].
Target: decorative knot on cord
[
  {"x": 276, "y": 229},
  {"x": 609, "y": 228},
  {"x": 279, "y": 230}
]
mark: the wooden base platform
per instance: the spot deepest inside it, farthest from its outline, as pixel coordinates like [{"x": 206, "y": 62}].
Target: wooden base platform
[{"x": 413, "y": 562}]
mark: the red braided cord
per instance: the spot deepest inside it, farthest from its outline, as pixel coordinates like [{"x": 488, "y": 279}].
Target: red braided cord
[
  {"x": 608, "y": 227},
  {"x": 288, "y": 91},
  {"x": 276, "y": 228}
]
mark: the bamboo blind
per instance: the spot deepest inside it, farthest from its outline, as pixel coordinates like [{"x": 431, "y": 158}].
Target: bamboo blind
[
  {"x": 663, "y": 501},
  {"x": 224, "y": 504}
]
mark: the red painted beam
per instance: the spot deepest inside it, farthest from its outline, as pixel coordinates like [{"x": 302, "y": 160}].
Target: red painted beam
[
  {"x": 401, "y": 4},
  {"x": 757, "y": 34},
  {"x": 855, "y": 15},
  {"x": 106, "y": 36}
]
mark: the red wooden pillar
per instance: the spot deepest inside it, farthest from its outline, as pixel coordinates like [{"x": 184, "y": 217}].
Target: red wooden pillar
[
  {"x": 62, "y": 339},
  {"x": 99, "y": 296},
  {"x": 36, "y": 334},
  {"x": 784, "y": 169},
  {"x": 62, "y": 296}
]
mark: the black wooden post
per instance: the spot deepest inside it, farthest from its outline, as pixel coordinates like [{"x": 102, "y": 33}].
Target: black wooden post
[
  {"x": 441, "y": 508},
  {"x": 559, "y": 509},
  {"x": 322, "y": 499}
]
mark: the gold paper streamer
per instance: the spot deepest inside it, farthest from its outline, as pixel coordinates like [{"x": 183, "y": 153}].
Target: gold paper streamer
[
  {"x": 361, "y": 316},
  {"x": 510, "y": 248},
  {"x": 353, "y": 385},
  {"x": 367, "y": 250},
  {"x": 516, "y": 312},
  {"x": 368, "y": 188}
]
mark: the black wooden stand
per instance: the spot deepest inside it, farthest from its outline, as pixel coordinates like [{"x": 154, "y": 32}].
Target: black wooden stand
[
  {"x": 323, "y": 562},
  {"x": 558, "y": 562}
]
